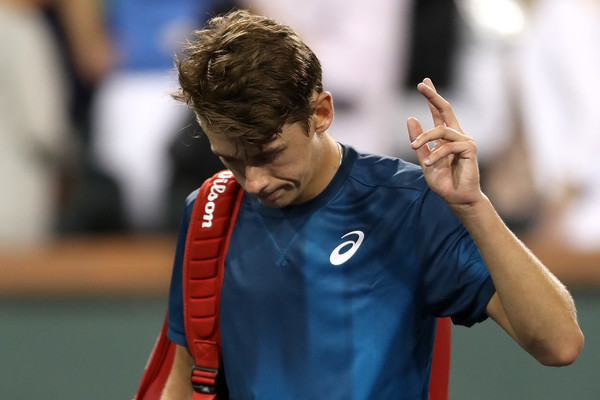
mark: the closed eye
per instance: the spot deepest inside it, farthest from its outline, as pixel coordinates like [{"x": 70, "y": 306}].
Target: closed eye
[
  {"x": 266, "y": 157},
  {"x": 226, "y": 159}
]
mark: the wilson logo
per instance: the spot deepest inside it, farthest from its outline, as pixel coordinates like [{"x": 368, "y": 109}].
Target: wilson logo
[
  {"x": 216, "y": 189},
  {"x": 337, "y": 257}
]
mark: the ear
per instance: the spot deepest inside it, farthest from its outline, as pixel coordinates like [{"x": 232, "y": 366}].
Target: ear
[{"x": 323, "y": 112}]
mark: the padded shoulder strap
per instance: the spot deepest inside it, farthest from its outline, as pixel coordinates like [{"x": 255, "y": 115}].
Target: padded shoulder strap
[
  {"x": 440, "y": 364},
  {"x": 211, "y": 224}
]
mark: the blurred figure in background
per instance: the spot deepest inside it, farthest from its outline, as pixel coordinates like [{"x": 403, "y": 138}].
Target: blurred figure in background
[
  {"x": 463, "y": 44},
  {"x": 87, "y": 51},
  {"x": 90, "y": 198},
  {"x": 362, "y": 48},
  {"x": 559, "y": 64},
  {"x": 134, "y": 118},
  {"x": 484, "y": 90},
  {"x": 191, "y": 160},
  {"x": 133, "y": 164},
  {"x": 35, "y": 133},
  {"x": 374, "y": 53}
]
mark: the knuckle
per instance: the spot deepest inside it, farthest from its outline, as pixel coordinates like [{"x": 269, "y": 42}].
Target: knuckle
[{"x": 471, "y": 146}]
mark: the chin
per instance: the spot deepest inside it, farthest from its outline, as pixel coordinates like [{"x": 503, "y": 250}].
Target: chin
[
  {"x": 284, "y": 198},
  {"x": 277, "y": 203}
]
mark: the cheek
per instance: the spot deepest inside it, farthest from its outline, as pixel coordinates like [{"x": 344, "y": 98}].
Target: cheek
[{"x": 296, "y": 171}]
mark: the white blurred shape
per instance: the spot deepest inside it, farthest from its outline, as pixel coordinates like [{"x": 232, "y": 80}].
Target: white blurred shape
[{"x": 494, "y": 17}]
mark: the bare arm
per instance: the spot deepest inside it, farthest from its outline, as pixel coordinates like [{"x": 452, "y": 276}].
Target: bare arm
[
  {"x": 530, "y": 303},
  {"x": 179, "y": 382},
  {"x": 87, "y": 37}
]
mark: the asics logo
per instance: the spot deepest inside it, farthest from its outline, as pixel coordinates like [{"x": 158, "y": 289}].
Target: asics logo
[{"x": 337, "y": 258}]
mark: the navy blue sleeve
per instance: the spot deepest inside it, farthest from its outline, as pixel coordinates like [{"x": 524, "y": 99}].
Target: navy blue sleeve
[
  {"x": 455, "y": 279},
  {"x": 176, "y": 330}
]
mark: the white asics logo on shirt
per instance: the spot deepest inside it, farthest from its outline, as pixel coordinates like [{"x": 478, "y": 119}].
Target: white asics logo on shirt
[{"x": 336, "y": 258}]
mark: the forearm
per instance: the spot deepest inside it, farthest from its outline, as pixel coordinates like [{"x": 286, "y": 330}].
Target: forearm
[
  {"x": 179, "y": 383},
  {"x": 538, "y": 308}
]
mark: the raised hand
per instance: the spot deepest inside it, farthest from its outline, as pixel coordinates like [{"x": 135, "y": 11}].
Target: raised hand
[
  {"x": 530, "y": 303},
  {"x": 450, "y": 166}
]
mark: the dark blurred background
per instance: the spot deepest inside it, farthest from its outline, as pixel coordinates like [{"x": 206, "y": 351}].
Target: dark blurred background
[{"x": 96, "y": 161}]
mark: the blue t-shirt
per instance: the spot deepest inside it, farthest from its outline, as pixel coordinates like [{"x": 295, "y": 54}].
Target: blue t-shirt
[{"x": 337, "y": 298}]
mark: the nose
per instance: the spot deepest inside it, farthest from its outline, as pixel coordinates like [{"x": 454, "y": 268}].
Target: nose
[{"x": 257, "y": 180}]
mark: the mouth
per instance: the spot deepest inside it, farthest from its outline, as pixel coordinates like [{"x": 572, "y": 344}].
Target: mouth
[{"x": 269, "y": 197}]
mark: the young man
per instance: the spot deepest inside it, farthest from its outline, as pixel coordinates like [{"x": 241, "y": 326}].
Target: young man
[{"x": 340, "y": 261}]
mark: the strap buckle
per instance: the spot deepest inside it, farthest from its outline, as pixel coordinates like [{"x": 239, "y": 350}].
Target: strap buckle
[{"x": 204, "y": 379}]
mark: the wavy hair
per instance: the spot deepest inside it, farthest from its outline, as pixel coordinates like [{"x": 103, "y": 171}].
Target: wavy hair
[{"x": 246, "y": 76}]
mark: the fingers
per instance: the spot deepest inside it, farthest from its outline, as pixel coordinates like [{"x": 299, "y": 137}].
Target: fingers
[
  {"x": 460, "y": 149},
  {"x": 441, "y": 110},
  {"x": 447, "y": 134},
  {"x": 439, "y": 133},
  {"x": 448, "y": 141}
]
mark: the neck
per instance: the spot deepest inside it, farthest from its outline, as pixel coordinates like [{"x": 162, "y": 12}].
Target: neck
[
  {"x": 329, "y": 162},
  {"x": 334, "y": 155}
]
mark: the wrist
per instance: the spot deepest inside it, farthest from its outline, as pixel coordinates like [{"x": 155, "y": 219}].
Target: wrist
[{"x": 474, "y": 210}]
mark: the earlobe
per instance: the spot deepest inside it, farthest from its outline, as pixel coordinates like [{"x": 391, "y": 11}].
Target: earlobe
[{"x": 323, "y": 111}]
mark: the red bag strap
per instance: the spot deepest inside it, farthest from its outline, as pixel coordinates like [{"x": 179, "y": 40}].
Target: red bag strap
[
  {"x": 440, "y": 364},
  {"x": 157, "y": 368},
  {"x": 211, "y": 224}
]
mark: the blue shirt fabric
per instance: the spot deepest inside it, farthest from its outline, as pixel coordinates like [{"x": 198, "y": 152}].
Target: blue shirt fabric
[{"x": 296, "y": 323}]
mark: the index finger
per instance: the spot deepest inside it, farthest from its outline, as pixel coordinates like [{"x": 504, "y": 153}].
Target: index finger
[{"x": 440, "y": 104}]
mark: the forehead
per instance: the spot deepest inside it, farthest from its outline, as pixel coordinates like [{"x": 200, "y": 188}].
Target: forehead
[{"x": 223, "y": 145}]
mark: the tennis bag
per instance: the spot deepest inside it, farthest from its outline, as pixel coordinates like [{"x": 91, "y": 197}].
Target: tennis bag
[{"x": 213, "y": 217}]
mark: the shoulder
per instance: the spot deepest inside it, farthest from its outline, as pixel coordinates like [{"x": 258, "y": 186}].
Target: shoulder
[
  {"x": 191, "y": 198},
  {"x": 189, "y": 204},
  {"x": 374, "y": 170}
]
